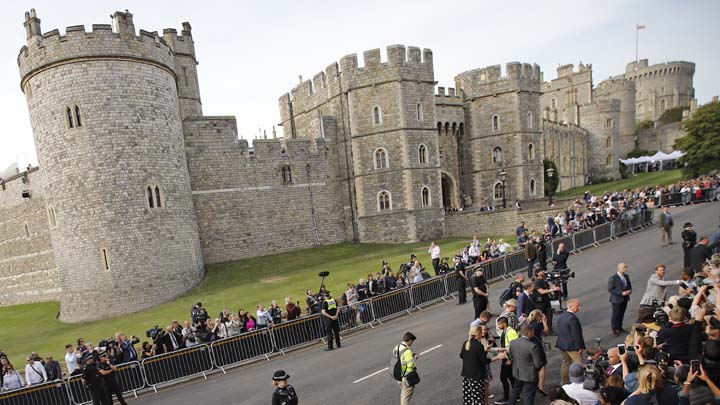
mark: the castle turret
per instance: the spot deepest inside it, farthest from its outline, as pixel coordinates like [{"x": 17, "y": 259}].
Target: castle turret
[
  {"x": 602, "y": 121},
  {"x": 107, "y": 126},
  {"x": 186, "y": 63},
  {"x": 661, "y": 87},
  {"x": 502, "y": 115}
]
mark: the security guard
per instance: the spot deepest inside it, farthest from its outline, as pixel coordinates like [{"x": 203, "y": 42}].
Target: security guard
[
  {"x": 689, "y": 237},
  {"x": 94, "y": 382},
  {"x": 330, "y": 317},
  {"x": 461, "y": 280},
  {"x": 108, "y": 370},
  {"x": 407, "y": 366}
]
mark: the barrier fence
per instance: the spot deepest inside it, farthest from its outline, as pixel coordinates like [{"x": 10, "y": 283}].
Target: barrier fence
[
  {"x": 708, "y": 194},
  {"x": 261, "y": 344}
]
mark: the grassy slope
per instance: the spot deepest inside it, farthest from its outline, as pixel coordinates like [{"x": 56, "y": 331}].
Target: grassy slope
[
  {"x": 641, "y": 180},
  {"x": 232, "y": 285}
]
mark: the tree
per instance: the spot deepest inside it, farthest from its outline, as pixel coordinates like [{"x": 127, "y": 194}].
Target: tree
[
  {"x": 702, "y": 142},
  {"x": 637, "y": 152},
  {"x": 551, "y": 183}
]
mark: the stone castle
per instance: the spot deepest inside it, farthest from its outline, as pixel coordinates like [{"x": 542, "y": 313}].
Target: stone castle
[{"x": 137, "y": 190}]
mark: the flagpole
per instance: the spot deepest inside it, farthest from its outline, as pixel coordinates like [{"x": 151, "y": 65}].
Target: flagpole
[{"x": 638, "y": 27}]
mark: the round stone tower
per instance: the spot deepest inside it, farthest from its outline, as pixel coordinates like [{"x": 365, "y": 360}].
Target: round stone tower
[{"x": 106, "y": 121}]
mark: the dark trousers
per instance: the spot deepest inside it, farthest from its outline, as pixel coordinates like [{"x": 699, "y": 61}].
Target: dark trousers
[
  {"x": 531, "y": 266},
  {"x": 480, "y": 304},
  {"x": 525, "y": 391},
  {"x": 507, "y": 379},
  {"x": 332, "y": 328},
  {"x": 114, "y": 388},
  {"x": 546, "y": 309},
  {"x": 686, "y": 258},
  {"x": 618, "y": 313},
  {"x": 462, "y": 294},
  {"x": 99, "y": 395},
  {"x": 436, "y": 265}
]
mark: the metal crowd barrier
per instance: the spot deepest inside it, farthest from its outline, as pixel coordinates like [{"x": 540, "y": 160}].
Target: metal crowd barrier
[
  {"x": 242, "y": 348},
  {"x": 49, "y": 393},
  {"x": 300, "y": 332},
  {"x": 637, "y": 221},
  {"x": 583, "y": 239},
  {"x": 619, "y": 227},
  {"x": 602, "y": 232},
  {"x": 452, "y": 282},
  {"x": 514, "y": 262},
  {"x": 356, "y": 316},
  {"x": 648, "y": 216},
  {"x": 495, "y": 268},
  {"x": 428, "y": 292},
  {"x": 391, "y": 304},
  {"x": 128, "y": 375},
  {"x": 176, "y": 365},
  {"x": 567, "y": 240}
]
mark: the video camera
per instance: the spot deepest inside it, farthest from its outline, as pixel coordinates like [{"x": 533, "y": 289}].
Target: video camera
[
  {"x": 595, "y": 374},
  {"x": 155, "y": 333},
  {"x": 557, "y": 276},
  {"x": 659, "y": 315},
  {"x": 108, "y": 343}
]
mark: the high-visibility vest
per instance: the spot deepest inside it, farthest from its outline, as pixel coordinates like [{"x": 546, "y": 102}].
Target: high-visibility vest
[
  {"x": 407, "y": 360},
  {"x": 332, "y": 304}
]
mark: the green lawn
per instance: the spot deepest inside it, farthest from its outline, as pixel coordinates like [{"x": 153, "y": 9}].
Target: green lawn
[
  {"x": 232, "y": 285},
  {"x": 664, "y": 177}
]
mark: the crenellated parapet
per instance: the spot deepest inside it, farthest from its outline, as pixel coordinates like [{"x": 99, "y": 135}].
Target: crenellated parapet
[
  {"x": 489, "y": 80},
  {"x": 180, "y": 44},
  {"x": 642, "y": 69},
  {"x": 449, "y": 97}
]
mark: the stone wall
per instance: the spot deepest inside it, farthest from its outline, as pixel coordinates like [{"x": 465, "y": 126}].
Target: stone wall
[
  {"x": 661, "y": 87},
  {"x": 27, "y": 265},
  {"x": 566, "y": 145},
  {"x": 570, "y": 89},
  {"x": 662, "y": 138},
  {"x": 621, "y": 89},
  {"x": 601, "y": 119}
]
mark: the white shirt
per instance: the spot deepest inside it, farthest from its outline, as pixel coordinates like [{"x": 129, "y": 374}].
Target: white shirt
[
  {"x": 504, "y": 247},
  {"x": 434, "y": 252},
  {"x": 35, "y": 377},
  {"x": 71, "y": 362},
  {"x": 580, "y": 394}
]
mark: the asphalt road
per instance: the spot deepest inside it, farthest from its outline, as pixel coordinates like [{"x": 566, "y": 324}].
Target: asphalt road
[{"x": 332, "y": 377}]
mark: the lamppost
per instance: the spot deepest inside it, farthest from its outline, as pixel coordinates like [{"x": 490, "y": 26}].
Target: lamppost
[
  {"x": 503, "y": 177},
  {"x": 550, "y": 171}
]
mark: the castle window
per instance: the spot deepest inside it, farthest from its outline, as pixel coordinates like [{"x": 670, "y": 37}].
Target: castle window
[
  {"x": 608, "y": 160},
  {"x": 530, "y": 120},
  {"x": 78, "y": 121},
  {"x": 497, "y": 190},
  {"x": 151, "y": 199},
  {"x": 531, "y": 152},
  {"x": 662, "y": 105},
  {"x": 425, "y": 197},
  {"x": 105, "y": 259},
  {"x": 384, "y": 201},
  {"x": 609, "y": 123},
  {"x": 419, "y": 111},
  {"x": 609, "y": 142},
  {"x": 51, "y": 217},
  {"x": 497, "y": 155},
  {"x": 422, "y": 154},
  {"x": 69, "y": 117},
  {"x": 286, "y": 174},
  {"x": 440, "y": 126},
  {"x": 158, "y": 200},
  {"x": 27, "y": 231},
  {"x": 553, "y": 103},
  {"x": 640, "y": 109},
  {"x": 381, "y": 159},
  {"x": 532, "y": 186},
  {"x": 184, "y": 70},
  {"x": 495, "y": 122},
  {"x": 376, "y": 115}
]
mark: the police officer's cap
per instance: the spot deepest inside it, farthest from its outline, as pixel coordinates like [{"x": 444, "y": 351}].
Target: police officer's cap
[{"x": 280, "y": 375}]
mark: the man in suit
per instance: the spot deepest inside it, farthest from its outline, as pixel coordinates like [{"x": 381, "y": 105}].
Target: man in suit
[
  {"x": 700, "y": 253},
  {"x": 530, "y": 256},
  {"x": 620, "y": 289},
  {"x": 570, "y": 339},
  {"x": 527, "y": 360},
  {"x": 526, "y": 300},
  {"x": 656, "y": 286},
  {"x": 666, "y": 223}
]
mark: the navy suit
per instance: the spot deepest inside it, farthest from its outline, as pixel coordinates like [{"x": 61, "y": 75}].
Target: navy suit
[
  {"x": 618, "y": 300},
  {"x": 525, "y": 305},
  {"x": 570, "y": 335}
]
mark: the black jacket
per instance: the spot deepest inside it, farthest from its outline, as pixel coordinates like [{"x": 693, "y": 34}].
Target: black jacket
[
  {"x": 474, "y": 360},
  {"x": 560, "y": 260},
  {"x": 699, "y": 254}
]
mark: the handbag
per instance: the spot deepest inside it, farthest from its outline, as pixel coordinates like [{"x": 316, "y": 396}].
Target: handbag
[{"x": 412, "y": 378}]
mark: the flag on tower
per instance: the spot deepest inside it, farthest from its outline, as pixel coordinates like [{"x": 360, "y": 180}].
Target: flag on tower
[{"x": 640, "y": 27}]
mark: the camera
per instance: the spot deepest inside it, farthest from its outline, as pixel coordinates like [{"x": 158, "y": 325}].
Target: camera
[
  {"x": 660, "y": 316},
  {"x": 561, "y": 275},
  {"x": 595, "y": 368},
  {"x": 108, "y": 343},
  {"x": 155, "y": 333}
]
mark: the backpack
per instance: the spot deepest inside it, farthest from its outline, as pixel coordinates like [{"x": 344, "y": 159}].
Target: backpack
[
  {"x": 397, "y": 368},
  {"x": 508, "y": 293}
]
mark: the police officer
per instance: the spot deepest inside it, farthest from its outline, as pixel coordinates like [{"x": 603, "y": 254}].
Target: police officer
[
  {"x": 480, "y": 291},
  {"x": 94, "y": 382},
  {"x": 543, "y": 292},
  {"x": 461, "y": 280},
  {"x": 330, "y": 318},
  {"x": 689, "y": 237},
  {"x": 107, "y": 370},
  {"x": 284, "y": 393}
]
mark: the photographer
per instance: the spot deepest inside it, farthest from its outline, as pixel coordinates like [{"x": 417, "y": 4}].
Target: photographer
[
  {"x": 126, "y": 345},
  {"x": 198, "y": 314},
  {"x": 575, "y": 388},
  {"x": 543, "y": 295}
]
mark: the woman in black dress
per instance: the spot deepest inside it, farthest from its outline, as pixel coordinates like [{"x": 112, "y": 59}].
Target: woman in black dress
[{"x": 474, "y": 370}]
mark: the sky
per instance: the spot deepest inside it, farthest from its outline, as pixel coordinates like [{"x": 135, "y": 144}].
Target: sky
[{"x": 251, "y": 52}]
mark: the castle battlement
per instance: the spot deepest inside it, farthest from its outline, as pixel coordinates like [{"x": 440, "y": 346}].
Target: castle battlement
[
  {"x": 641, "y": 68},
  {"x": 614, "y": 86},
  {"x": 180, "y": 44},
  {"x": 52, "y": 48},
  {"x": 404, "y": 63},
  {"x": 569, "y": 69},
  {"x": 451, "y": 97},
  {"x": 489, "y": 80}
]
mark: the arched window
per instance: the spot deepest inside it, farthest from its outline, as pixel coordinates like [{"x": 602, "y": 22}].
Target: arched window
[
  {"x": 530, "y": 120},
  {"x": 151, "y": 199},
  {"x": 158, "y": 200},
  {"x": 78, "y": 121},
  {"x": 497, "y": 190},
  {"x": 422, "y": 154},
  {"x": 497, "y": 155},
  {"x": 384, "y": 201},
  {"x": 286, "y": 174},
  {"x": 495, "y": 122},
  {"x": 532, "y": 186},
  {"x": 376, "y": 115},
  {"x": 69, "y": 117},
  {"x": 609, "y": 160},
  {"x": 381, "y": 158},
  {"x": 609, "y": 142},
  {"x": 439, "y": 125},
  {"x": 531, "y": 152},
  {"x": 425, "y": 197},
  {"x": 51, "y": 217},
  {"x": 419, "y": 111}
]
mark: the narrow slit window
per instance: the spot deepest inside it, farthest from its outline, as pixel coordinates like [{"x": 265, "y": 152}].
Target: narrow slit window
[
  {"x": 78, "y": 120},
  {"x": 69, "y": 115},
  {"x": 151, "y": 201},
  {"x": 422, "y": 154},
  {"x": 425, "y": 196},
  {"x": 105, "y": 260},
  {"x": 158, "y": 200},
  {"x": 27, "y": 231}
]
